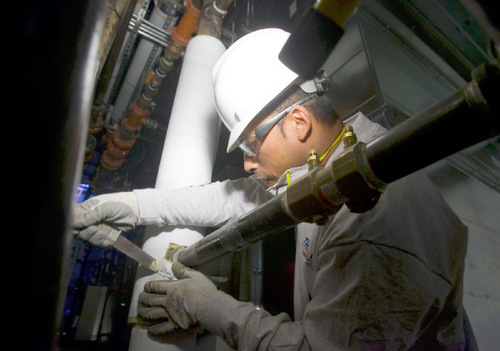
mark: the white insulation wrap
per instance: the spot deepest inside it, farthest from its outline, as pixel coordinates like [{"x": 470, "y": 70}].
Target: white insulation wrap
[
  {"x": 193, "y": 130},
  {"x": 192, "y": 136},
  {"x": 187, "y": 159}
]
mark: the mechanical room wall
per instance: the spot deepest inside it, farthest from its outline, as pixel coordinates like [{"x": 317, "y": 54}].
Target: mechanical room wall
[{"x": 478, "y": 206}]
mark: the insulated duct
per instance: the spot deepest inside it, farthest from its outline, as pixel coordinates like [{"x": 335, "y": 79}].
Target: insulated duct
[
  {"x": 187, "y": 159},
  {"x": 188, "y": 155}
]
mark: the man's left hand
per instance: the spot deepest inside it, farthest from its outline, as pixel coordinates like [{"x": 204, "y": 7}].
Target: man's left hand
[{"x": 175, "y": 304}]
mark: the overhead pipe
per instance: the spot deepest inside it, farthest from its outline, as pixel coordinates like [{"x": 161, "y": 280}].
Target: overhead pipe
[
  {"x": 130, "y": 74},
  {"x": 118, "y": 13},
  {"x": 124, "y": 137},
  {"x": 360, "y": 174},
  {"x": 212, "y": 15}
]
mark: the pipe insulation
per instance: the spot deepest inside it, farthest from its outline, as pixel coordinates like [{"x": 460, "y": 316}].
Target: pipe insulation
[
  {"x": 193, "y": 131},
  {"x": 187, "y": 159}
]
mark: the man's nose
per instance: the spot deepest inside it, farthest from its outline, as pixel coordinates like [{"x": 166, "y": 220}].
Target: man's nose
[{"x": 250, "y": 163}]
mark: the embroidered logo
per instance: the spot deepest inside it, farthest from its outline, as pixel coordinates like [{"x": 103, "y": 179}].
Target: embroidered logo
[{"x": 305, "y": 251}]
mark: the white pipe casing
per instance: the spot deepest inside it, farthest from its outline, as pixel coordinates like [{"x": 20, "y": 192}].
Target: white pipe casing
[{"x": 187, "y": 159}]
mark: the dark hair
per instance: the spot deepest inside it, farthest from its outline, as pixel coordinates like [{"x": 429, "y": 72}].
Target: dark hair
[{"x": 320, "y": 106}]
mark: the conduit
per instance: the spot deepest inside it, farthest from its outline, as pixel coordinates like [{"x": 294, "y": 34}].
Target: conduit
[
  {"x": 118, "y": 14},
  {"x": 124, "y": 137},
  {"x": 187, "y": 159}
]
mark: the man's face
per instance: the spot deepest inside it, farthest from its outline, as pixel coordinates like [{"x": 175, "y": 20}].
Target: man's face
[{"x": 276, "y": 153}]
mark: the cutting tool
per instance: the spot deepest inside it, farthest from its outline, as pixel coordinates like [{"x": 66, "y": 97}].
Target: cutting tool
[{"x": 122, "y": 244}]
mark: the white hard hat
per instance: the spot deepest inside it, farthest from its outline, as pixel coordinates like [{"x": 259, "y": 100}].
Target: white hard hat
[{"x": 247, "y": 77}]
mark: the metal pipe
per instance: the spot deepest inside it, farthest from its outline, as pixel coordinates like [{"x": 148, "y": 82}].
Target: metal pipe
[
  {"x": 132, "y": 68},
  {"x": 359, "y": 175},
  {"x": 460, "y": 120},
  {"x": 124, "y": 137},
  {"x": 151, "y": 31},
  {"x": 211, "y": 17}
]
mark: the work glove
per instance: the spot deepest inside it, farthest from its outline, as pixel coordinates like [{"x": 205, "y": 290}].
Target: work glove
[
  {"x": 175, "y": 304},
  {"x": 93, "y": 218}
]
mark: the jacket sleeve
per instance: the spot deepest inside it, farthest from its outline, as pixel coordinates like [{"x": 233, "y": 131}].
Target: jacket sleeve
[
  {"x": 364, "y": 298},
  {"x": 209, "y": 205},
  {"x": 245, "y": 327}
]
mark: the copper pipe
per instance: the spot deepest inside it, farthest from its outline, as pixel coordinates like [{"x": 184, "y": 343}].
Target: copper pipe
[
  {"x": 187, "y": 26},
  {"x": 124, "y": 137}
]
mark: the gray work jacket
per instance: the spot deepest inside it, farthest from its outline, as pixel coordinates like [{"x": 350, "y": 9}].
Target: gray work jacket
[{"x": 389, "y": 278}]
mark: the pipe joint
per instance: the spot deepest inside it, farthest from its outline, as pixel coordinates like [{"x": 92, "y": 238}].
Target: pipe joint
[
  {"x": 123, "y": 139},
  {"x": 304, "y": 202},
  {"x": 188, "y": 24},
  {"x": 157, "y": 78},
  {"x": 211, "y": 17},
  {"x": 110, "y": 163},
  {"x": 119, "y": 145},
  {"x": 355, "y": 179},
  {"x": 164, "y": 66},
  {"x": 116, "y": 152},
  {"x": 173, "y": 51},
  {"x": 139, "y": 112}
]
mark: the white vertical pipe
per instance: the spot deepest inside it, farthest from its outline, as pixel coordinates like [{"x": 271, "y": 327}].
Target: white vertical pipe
[{"x": 187, "y": 159}]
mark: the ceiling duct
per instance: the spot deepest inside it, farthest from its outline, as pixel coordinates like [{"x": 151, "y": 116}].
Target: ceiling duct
[{"x": 382, "y": 68}]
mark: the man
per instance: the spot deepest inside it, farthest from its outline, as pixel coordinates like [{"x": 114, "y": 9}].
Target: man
[{"x": 389, "y": 278}]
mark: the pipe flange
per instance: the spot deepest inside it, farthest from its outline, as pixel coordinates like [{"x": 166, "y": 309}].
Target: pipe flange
[{"x": 356, "y": 180}]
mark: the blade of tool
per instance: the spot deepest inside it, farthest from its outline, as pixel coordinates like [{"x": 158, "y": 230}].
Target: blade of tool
[{"x": 124, "y": 245}]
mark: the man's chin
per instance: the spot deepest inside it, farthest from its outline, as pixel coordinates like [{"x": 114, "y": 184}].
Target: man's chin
[{"x": 267, "y": 181}]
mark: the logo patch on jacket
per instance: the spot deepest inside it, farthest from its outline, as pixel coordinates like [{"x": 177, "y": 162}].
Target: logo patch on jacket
[{"x": 305, "y": 251}]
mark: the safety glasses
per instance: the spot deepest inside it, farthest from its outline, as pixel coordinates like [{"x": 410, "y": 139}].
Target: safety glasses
[{"x": 251, "y": 143}]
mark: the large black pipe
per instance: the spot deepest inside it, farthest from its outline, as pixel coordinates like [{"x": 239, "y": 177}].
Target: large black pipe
[
  {"x": 465, "y": 118},
  {"x": 233, "y": 236},
  {"x": 359, "y": 175}
]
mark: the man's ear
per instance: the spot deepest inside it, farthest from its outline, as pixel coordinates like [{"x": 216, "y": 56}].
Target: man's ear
[{"x": 301, "y": 121}]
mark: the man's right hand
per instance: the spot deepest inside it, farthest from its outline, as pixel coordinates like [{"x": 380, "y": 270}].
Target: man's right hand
[{"x": 92, "y": 217}]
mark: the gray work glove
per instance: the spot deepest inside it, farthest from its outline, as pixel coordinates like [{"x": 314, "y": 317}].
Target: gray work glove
[
  {"x": 175, "y": 304},
  {"x": 91, "y": 218}
]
